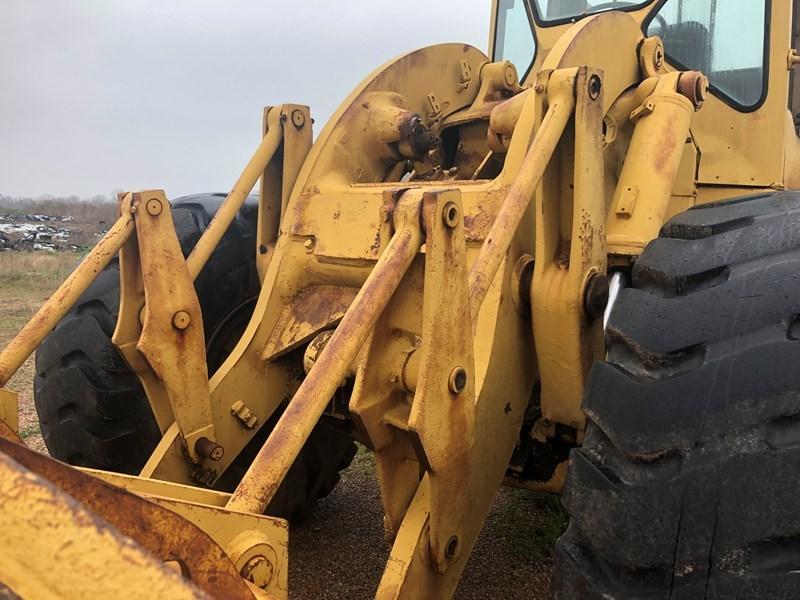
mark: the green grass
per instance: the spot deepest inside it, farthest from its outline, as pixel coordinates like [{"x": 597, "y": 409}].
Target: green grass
[
  {"x": 536, "y": 542},
  {"x": 29, "y": 431}
]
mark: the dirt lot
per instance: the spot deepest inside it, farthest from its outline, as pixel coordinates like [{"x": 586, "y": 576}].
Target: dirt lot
[{"x": 338, "y": 551}]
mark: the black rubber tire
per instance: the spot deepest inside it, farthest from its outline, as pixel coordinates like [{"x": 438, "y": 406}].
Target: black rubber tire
[
  {"x": 92, "y": 410},
  {"x": 687, "y": 483}
]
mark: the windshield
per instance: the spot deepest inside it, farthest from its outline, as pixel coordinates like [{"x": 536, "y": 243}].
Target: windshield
[
  {"x": 557, "y": 10},
  {"x": 724, "y": 40}
]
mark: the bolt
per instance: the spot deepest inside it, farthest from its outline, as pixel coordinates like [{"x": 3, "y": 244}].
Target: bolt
[
  {"x": 298, "y": 118},
  {"x": 457, "y": 380},
  {"x": 451, "y": 548},
  {"x": 258, "y": 570},
  {"x": 450, "y": 214},
  {"x": 595, "y": 85},
  {"x": 181, "y": 320},
  {"x": 153, "y": 207},
  {"x": 308, "y": 245},
  {"x": 595, "y": 296},
  {"x": 208, "y": 449},
  {"x": 262, "y": 249},
  {"x": 510, "y": 75},
  {"x": 658, "y": 57}
]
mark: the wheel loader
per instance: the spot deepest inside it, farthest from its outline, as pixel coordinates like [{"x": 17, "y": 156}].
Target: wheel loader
[{"x": 573, "y": 267}]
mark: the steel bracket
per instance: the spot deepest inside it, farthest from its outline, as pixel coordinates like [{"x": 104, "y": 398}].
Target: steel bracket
[
  {"x": 442, "y": 419},
  {"x": 160, "y": 328}
]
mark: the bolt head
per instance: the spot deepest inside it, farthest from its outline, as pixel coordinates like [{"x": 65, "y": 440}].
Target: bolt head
[
  {"x": 298, "y": 118},
  {"x": 308, "y": 244},
  {"x": 595, "y": 85},
  {"x": 153, "y": 207},
  {"x": 458, "y": 380},
  {"x": 258, "y": 570},
  {"x": 510, "y": 75},
  {"x": 658, "y": 57},
  {"x": 208, "y": 449},
  {"x": 451, "y": 214},
  {"x": 181, "y": 320}
]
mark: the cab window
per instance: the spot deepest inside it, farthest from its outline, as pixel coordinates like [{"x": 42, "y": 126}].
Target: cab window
[
  {"x": 514, "y": 37},
  {"x": 725, "y": 40}
]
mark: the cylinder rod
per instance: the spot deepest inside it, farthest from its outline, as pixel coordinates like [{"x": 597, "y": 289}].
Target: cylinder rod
[
  {"x": 236, "y": 197},
  {"x": 52, "y": 311},
  {"x": 267, "y": 471}
]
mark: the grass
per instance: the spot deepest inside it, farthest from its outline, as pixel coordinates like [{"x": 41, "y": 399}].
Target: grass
[
  {"x": 532, "y": 543},
  {"x": 27, "y": 279},
  {"x": 530, "y": 522},
  {"x": 32, "y": 274},
  {"x": 30, "y": 431}
]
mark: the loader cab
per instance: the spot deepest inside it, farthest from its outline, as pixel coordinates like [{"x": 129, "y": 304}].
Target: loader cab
[{"x": 744, "y": 135}]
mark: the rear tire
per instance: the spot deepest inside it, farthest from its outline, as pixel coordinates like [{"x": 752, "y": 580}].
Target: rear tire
[
  {"x": 92, "y": 409},
  {"x": 686, "y": 485}
]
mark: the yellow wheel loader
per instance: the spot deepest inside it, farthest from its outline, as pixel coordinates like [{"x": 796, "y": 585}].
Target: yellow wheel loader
[{"x": 572, "y": 267}]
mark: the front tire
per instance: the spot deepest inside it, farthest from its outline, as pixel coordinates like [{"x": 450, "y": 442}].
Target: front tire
[{"x": 686, "y": 485}]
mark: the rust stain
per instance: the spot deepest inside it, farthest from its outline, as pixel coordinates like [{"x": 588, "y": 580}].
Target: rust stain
[
  {"x": 478, "y": 224},
  {"x": 376, "y": 245},
  {"x": 313, "y": 309},
  {"x": 157, "y": 529},
  {"x": 664, "y": 149}
]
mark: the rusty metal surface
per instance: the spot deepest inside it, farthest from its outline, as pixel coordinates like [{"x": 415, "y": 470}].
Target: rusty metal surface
[
  {"x": 280, "y": 175},
  {"x": 570, "y": 250},
  {"x": 645, "y": 187},
  {"x": 172, "y": 337},
  {"x": 468, "y": 392},
  {"x": 315, "y": 308},
  {"x": 273, "y": 461},
  {"x": 443, "y": 409},
  {"x": 54, "y": 547},
  {"x": 158, "y": 530},
  {"x": 243, "y": 537},
  {"x": 504, "y": 228}
]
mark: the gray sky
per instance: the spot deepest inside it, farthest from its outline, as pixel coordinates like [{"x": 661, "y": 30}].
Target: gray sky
[{"x": 129, "y": 94}]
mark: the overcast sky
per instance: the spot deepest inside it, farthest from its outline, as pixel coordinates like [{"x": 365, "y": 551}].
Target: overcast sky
[{"x": 100, "y": 95}]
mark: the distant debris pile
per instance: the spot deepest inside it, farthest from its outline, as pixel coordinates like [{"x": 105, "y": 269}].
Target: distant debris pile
[{"x": 46, "y": 232}]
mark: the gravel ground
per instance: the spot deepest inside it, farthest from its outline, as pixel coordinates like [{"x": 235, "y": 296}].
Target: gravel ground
[{"x": 338, "y": 552}]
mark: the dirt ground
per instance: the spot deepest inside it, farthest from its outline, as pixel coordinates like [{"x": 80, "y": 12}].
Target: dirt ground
[{"x": 337, "y": 552}]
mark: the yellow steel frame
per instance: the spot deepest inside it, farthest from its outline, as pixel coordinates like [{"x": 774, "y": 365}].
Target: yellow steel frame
[{"x": 350, "y": 245}]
